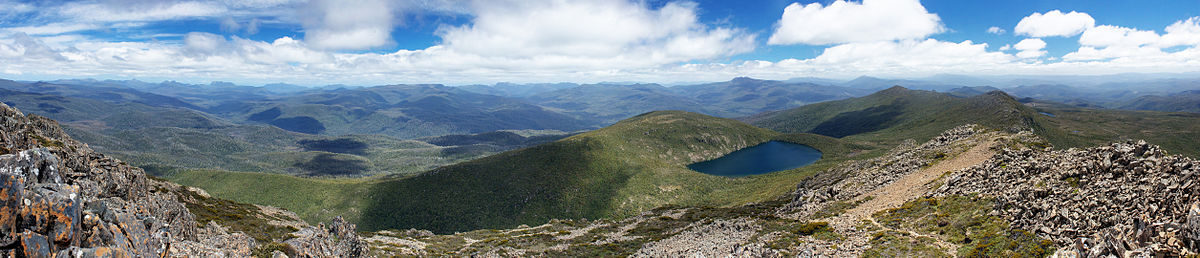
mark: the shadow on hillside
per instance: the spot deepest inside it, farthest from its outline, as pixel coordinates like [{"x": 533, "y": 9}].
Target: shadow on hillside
[
  {"x": 862, "y": 121},
  {"x": 531, "y": 186},
  {"x": 343, "y": 145},
  {"x": 331, "y": 165}
]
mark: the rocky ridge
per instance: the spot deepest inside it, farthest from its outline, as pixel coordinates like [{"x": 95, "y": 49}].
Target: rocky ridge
[
  {"x": 58, "y": 198},
  {"x": 855, "y": 178},
  {"x": 1125, "y": 199}
]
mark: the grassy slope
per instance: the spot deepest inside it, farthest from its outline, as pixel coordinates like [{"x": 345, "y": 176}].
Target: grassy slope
[
  {"x": 889, "y": 116},
  {"x": 635, "y": 165},
  {"x": 1078, "y": 127},
  {"x": 896, "y": 114}
]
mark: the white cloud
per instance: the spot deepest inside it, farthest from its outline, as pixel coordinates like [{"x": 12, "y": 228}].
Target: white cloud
[
  {"x": 1054, "y": 23},
  {"x": 23, "y": 47},
  {"x": 229, "y": 25},
  {"x": 252, "y": 26},
  {"x": 556, "y": 40},
  {"x": 847, "y": 22},
  {"x": 1107, "y": 35},
  {"x": 204, "y": 43},
  {"x": 1182, "y": 33},
  {"x": 118, "y": 11},
  {"x": 348, "y": 25},
  {"x": 1030, "y": 48},
  {"x": 54, "y": 28},
  {"x": 1107, "y": 42},
  {"x": 590, "y": 33},
  {"x": 903, "y": 55},
  {"x": 996, "y": 30}
]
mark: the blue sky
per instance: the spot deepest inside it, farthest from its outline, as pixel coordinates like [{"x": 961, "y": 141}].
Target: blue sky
[{"x": 367, "y": 42}]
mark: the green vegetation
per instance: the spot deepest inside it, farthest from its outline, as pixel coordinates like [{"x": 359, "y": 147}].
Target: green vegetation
[
  {"x": 1178, "y": 133},
  {"x": 900, "y": 244},
  {"x": 237, "y": 216},
  {"x": 893, "y": 115},
  {"x": 314, "y": 200},
  {"x": 633, "y": 166},
  {"x": 896, "y": 114},
  {"x": 963, "y": 220}
]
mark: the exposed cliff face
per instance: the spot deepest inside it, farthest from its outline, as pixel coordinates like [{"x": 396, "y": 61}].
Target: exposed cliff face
[{"x": 59, "y": 198}]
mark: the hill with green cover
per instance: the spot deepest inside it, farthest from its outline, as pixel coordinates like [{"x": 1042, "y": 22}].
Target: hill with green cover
[
  {"x": 895, "y": 114},
  {"x": 898, "y": 113},
  {"x": 635, "y": 165}
]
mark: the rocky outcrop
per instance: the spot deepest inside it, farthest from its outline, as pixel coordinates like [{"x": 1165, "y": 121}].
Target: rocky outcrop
[
  {"x": 721, "y": 238},
  {"x": 62, "y": 198},
  {"x": 338, "y": 239},
  {"x": 1122, "y": 199},
  {"x": 58, "y": 198},
  {"x": 855, "y": 178}
]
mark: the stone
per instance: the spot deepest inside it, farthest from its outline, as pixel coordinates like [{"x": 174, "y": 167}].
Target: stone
[
  {"x": 34, "y": 245},
  {"x": 337, "y": 239},
  {"x": 58, "y": 197},
  {"x": 12, "y": 190}
]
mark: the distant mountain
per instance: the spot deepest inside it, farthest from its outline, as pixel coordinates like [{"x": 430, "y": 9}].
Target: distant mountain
[
  {"x": 746, "y": 96},
  {"x": 517, "y": 90},
  {"x": 1187, "y": 101},
  {"x": 160, "y": 138},
  {"x": 604, "y": 104},
  {"x": 971, "y": 91},
  {"x": 873, "y": 83},
  {"x": 898, "y": 113},
  {"x": 404, "y": 111},
  {"x": 101, "y": 93}
]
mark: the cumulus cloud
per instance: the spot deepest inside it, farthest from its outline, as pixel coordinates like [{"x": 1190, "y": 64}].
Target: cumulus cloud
[
  {"x": 848, "y": 22},
  {"x": 591, "y": 32},
  {"x": 897, "y": 55},
  {"x": 1130, "y": 45},
  {"x": 1108, "y": 35},
  {"x": 1183, "y": 33},
  {"x": 348, "y": 25},
  {"x": 1030, "y": 48},
  {"x": 22, "y": 46},
  {"x": 579, "y": 41},
  {"x": 1054, "y": 24},
  {"x": 996, "y": 30}
]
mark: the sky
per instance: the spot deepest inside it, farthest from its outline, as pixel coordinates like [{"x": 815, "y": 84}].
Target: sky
[{"x": 373, "y": 42}]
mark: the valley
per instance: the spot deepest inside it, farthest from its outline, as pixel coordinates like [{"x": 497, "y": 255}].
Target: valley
[
  {"x": 456, "y": 187},
  {"x": 599, "y": 128}
]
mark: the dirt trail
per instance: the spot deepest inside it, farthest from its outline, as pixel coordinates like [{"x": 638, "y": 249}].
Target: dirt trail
[
  {"x": 917, "y": 184},
  {"x": 902, "y": 190}
]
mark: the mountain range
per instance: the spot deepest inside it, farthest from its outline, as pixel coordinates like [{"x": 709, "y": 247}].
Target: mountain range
[{"x": 464, "y": 161}]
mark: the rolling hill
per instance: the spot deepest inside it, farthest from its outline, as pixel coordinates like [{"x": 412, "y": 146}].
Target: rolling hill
[
  {"x": 402, "y": 111},
  {"x": 1187, "y": 101},
  {"x": 744, "y": 96},
  {"x": 632, "y": 166},
  {"x": 169, "y": 137},
  {"x": 897, "y": 113},
  {"x": 604, "y": 104}
]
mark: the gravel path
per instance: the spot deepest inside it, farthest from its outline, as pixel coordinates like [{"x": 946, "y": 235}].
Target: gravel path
[
  {"x": 905, "y": 189},
  {"x": 917, "y": 184}
]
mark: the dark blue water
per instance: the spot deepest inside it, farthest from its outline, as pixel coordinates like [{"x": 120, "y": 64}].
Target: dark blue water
[
  {"x": 760, "y": 159},
  {"x": 1047, "y": 114}
]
